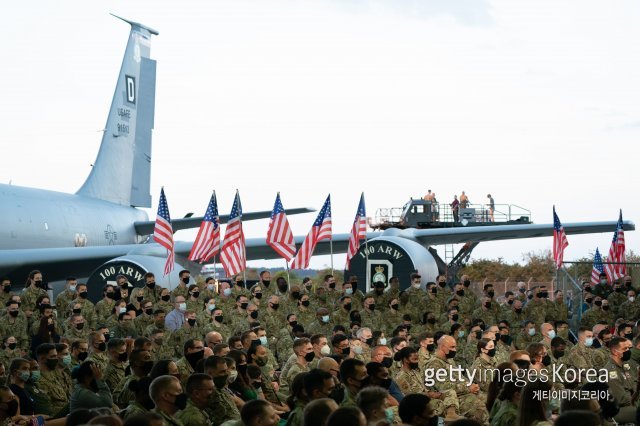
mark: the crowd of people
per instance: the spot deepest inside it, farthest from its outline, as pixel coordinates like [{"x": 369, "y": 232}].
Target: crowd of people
[{"x": 316, "y": 353}]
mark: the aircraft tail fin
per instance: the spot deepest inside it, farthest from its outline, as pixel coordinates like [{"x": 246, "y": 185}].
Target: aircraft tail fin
[{"x": 122, "y": 171}]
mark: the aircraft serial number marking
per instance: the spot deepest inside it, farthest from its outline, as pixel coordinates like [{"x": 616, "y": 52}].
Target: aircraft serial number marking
[
  {"x": 123, "y": 129},
  {"x": 124, "y": 113}
]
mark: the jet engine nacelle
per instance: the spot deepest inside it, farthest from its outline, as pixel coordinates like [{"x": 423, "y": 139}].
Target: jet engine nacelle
[
  {"x": 133, "y": 267},
  {"x": 387, "y": 256}
]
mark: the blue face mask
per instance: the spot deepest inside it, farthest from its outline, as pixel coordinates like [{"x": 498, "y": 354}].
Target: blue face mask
[
  {"x": 35, "y": 376},
  {"x": 588, "y": 341},
  {"x": 388, "y": 414},
  {"x": 25, "y": 375}
]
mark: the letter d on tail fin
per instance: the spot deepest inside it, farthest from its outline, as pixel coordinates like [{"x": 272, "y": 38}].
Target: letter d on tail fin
[{"x": 122, "y": 171}]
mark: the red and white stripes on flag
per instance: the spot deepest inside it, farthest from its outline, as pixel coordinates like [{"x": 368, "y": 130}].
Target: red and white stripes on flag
[
  {"x": 233, "y": 253},
  {"x": 279, "y": 235},
  {"x": 207, "y": 243},
  {"x": 597, "y": 269},
  {"x": 358, "y": 231},
  {"x": 617, "y": 254},
  {"x": 560, "y": 241},
  {"x": 321, "y": 230},
  {"x": 163, "y": 232}
]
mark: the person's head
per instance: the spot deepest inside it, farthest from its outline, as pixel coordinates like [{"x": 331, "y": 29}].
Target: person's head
[
  {"x": 408, "y": 356},
  {"x": 378, "y": 375},
  {"x": 47, "y": 356},
  {"x": 318, "y": 384},
  {"x": 318, "y": 410},
  {"x": 347, "y": 416},
  {"x": 539, "y": 355},
  {"x": 415, "y": 410},
  {"x": 372, "y": 401},
  {"x": 486, "y": 348},
  {"x": 166, "y": 393},
  {"x": 330, "y": 365},
  {"x": 200, "y": 388},
  {"x": 585, "y": 336},
  {"x": 383, "y": 355},
  {"x": 193, "y": 351},
  {"x": 620, "y": 349},
  {"x": 303, "y": 349},
  {"x": 353, "y": 373},
  {"x": 19, "y": 371},
  {"x": 179, "y": 303},
  {"x": 259, "y": 412},
  {"x": 117, "y": 350},
  {"x": 447, "y": 347},
  {"x": 8, "y": 403}
]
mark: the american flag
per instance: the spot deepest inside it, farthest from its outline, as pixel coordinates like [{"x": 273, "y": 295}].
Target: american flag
[
  {"x": 232, "y": 255},
  {"x": 598, "y": 268},
  {"x": 207, "y": 243},
  {"x": 616, "y": 254},
  {"x": 321, "y": 230},
  {"x": 559, "y": 240},
  {"x": 279, "y": 235},
  {"x": 163, "y": 232},
  {"x": 358, "y": 231}
]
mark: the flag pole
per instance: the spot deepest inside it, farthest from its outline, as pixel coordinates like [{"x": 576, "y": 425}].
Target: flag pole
[
  {"x": 331, "y": 249},
  {"x": 286, "y": 264}
]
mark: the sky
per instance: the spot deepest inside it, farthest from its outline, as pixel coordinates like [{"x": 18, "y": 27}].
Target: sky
[{"x": 533, "y": 101}]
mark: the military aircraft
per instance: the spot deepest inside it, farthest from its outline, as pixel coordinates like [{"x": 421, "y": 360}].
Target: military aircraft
[{"x": 99, "y": 232}]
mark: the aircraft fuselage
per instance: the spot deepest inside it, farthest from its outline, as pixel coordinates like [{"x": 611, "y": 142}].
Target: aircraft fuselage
[{"x": 37, "y": 218}]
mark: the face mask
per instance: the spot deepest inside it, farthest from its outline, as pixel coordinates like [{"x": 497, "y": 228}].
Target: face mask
[
  {"x": 492, "y": 352},
  {"x": 506, "y": 339},
  {"x": 551, "y": 334},
  {"x": 346, "y": 351},
  {"x": 478, "y": 334},
  {"x": 434, "y": 290},
  {"x": 618, "y": 290},
  {"x": 603, "y": 282},
  {"x": 254, "y": 314},
  {"x": 631, "y": 299},
  {"x": 122, "y": 310},
  {"x": 325, "y": 350},
  {"x": 491, "y": 293},
  {"x": 488, "y": 305},
  {"x": 605, "y": 308},
  {"x": 588, "y": 341},
  {"x": 530, "y": 296},
  {"x": 543, "y": 294},
  {"x": 191, "y": 322},
  {"x": 181, "y": 400},
  {"x": 275, "y": 306},
  {"x": 211, "y": 308},
  {"x": 325, "y": 319},
  {"x": 12, "y": 346},
  {"x": 309, "y": 356},
  {"x": 546, "y": 361},
  {"x": 518, "y": 310},
  {"x": 431, "y": 320},
  {"x": 413, "y": 365},
  {"x": 372, "y": 306},
  {"x": 451, "y": 354},
  {"x": 431, "y": 347},
  {"x": 629, "y": 336},
  {"x": 110, "y": 295},
  {"x": 52, "y": 364},
  {"x": 305, "y": 303},
  {"x": 383, "y": 341},
  {"x": 72, "y": 288},
  {"x": 82, "y": 356},
  {"x": 466, "y": 283},
  {"x": 258, "y": 296},
  {"x": 244, "y": 305},
  {"x": 416, "y": 285},
  {"x": 219, "y": 318},
  {"x": 347, "y": 306},
  {"x": 454, "y": 317},
  {"x": 102, "y": 346},
  {"x": 332, "y": 285},
  {"x": 151, "y": 285},
  {"x": 522, "y": 364},
  {"x": 521, "y": 290},
  {"x": 15, "y": 313},
  {"x": 588, "y": 300},
  {"x": 195, "y": 294},
  {"x": 66, "y": 360},
  {"x": 232, "y": 376},
  {"x": 194, "y": 357},
  {"x": 532, "y": 331},
  {"x": 263, "y": 340},
  {"x": 626, "y": 355},
  {"x": 83, "y": 295},
  {"x": 123, "y": 357},
  {"x": 387, "y": 361},
  {"x": 369, "y": 341},
  {"x": 460, "y": 293},
  {"x": 295, "y": 295},
  {"x": 510, "y": 302},
  {"x": 210, "y": 287},
  {"x": 25, "y": 375},
  {"x": 460, "y": 334},
  {"x": 182, "y": 307},
  {"x": 261, "y": 361},
  {"x": 598, "y": 302},
  {"x": 226, "y": 292},
  {"x": 166, "y": 297},
  {"x": 357, "y": 350},
  {"x": 348, "y": 291},
  {"x": 558, "y": 354}
]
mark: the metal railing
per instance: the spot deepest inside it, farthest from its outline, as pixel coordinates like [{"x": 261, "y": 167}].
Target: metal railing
[{"x": 572, "y": 292}]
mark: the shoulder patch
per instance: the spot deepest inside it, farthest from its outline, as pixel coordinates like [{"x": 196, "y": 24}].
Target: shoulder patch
[{"x": 613, "y": 375}]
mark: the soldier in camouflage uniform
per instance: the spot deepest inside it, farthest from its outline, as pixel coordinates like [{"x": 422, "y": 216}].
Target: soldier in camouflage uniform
[
  {"x": 630, "y": 308},
  {"x": 221, "y": 407},
  {"x": 602, "y": 289},
  {"x": 151, "y": 291},
  {"x": 87, "y": 307},
  {"x": 484, "y": 361},
  {"x": 217, "y": 323},
  {"x": 377, "y": 293},
  {"x": 78, "y": 329},
  {"x": 141, "y": 364},
  {"x": 145, "y": 319},
  {"x": 65, "y": 297},
  {"x": 322, "y": 324},
  {"x": 181, "y": 289},
  {"x": 539, "y": 307},
  {"x": 52, "y": 381},
  {"x": 33, "y": 290},
  {"x": 189, "y": 330},
  {"x": 593, "y": 315},
  {"x": 159, "y": 348},
  {"x": 14, "y": 323},
  {"x": 342, "y": 314},
  {"x": 200, "y": 389},
  {"x": 527, "y": 336},
  {"x": 117, "y": 353},
  {"x": 515, "y": 315},
  {"x": 304, "y": 312},
  {"x": 370, "y": 317},
  {"x": 104, "y": 307},
  {"x": 470, "y": 399},
  {"x": 560, "y": 309},
  {"x": 304, "y": 355},
  {"x": 392, "y": 317},
  {"x": 623, "y": 380},
  {"x": 581, "y": 356},
  {"x": 9, "y": 351},
  {"x": 485, "y": 312}
]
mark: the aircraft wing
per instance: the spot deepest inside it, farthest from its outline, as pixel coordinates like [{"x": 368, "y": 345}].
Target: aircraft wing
[
  {"x": 462, "y": 235},
  {"x": 146, "y": 227}
]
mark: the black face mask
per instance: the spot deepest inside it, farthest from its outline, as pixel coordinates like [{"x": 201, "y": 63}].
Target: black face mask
[
  {"x": 434, "y": 290},
  {"x": 605, "y": 308},
  {"x": 510, "y": 302},
  {"x": 558, "y": 354},
  {"x": 521, "y": 290},
  {"x": 102, "y": 346},
  {"x": 6, "y": 288},
  {"x": 518, "y": 310},
  {"x": 258, "y": 296},
  {"x": 395, "y": 306},
  {"x": 492, "y": 352},
  {"x": 295, "y": 295},
  {"x": 194, "y": 357},
  {"x": 466, "y": 283},
  {"x": 369, "y": 341},
  {"x": 522, "y": 363},
  {"x": 310, "y": 356},
  {"x": 275, "y": 306},
  {"x": 626, "y": 355},
  {"x": 52, "y": 363},
  {"x": 282, "y": 288},
  {"x": 587, "y": 289},
  {"x": 372, "y": 306},
  {"x": 546, "y": 361},
  {"x": 454, "y": 317},
  {"x": 588, "y": 300},
  {"x": 488, "y": 305},
  {"x": 431, "y": 347},
  {"x": 379, "y": 291},
  {"x": 80, "y": 325},
  {"x": 83, "y": 295},
  {"x": 431, "y": 320},
  {"x": 185, "y": 280},
  {"x": 191, "y": 321},
  {"x": 151, "y": 285},
  {"x": 387, "y": 361},
  {"x": 14, "y": 313},
  {"x": 195, "y": 294},
  {"x": 166, "y": 297},
  {"x": 506, "y": 339},
  {"x": 478, "y": 335},
  {"x": 305, "y": 303},
  {"x": 491, "y": 294},
  {"x": 530, "y": 296},
  {"x": 266, "y": 283},
  {"x": 219, "y": 318},
  {"x": 451, "y": 354},
  {"x": 413, "y": 365},
  {"x": 346, "y": 351},
  {"x": 618, "y": 290},
  {"x": 123, "y": 357},
  {"x": 347, "y": 306},
  {"x": 254, "y": 314},
  {"x": 385, "y": 383},
  {"x": 181, "y": 401},
  {"x": 332, "y": 285},
  {"x": 148, "y": 311},
  {"x": 244, "y": 305},
  {"x": 543, "y": 294},
  {"x": 220, "y": 381},
  {"x": 598, "y": 303},
  {"x": 293, "y": 323},
  {"x": 110, "y": 295},
  {"x": 460, "y": 293},
  {"x": 240, "y": 284}
]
